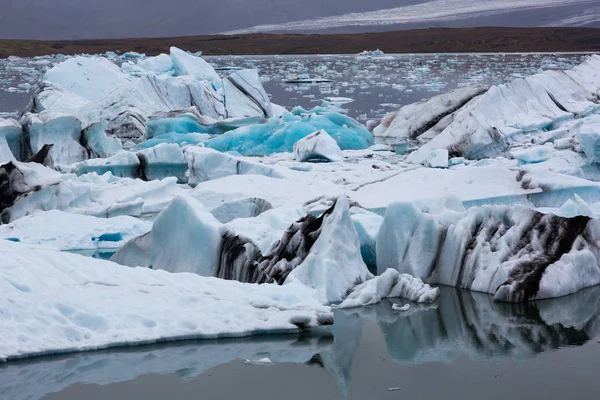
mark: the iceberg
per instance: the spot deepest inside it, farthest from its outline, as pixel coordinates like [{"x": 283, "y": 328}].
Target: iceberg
[
  {"x": 532, "y": 155},
  {"x": 162, "y": 161},
  {"x": 245, "y": 96},
  {"x": 88, "y": 78},
  {"x": 61, "y": 130},
  {"x": 505, "y": 114},
  {"x": 187, "y": 64},
  {"x": 124, "y": 164},
  {"x": 438, "y": 159},
  {"x": 367, "y": 226},
  {"x": 11, "y": 135},
  {"x": 390, "y": 284},
  {"x": 414, "y": 120},
  {"x": 97, "y": 143},
  {"x": 589, "y": 138},
  {"x": 281, "y": 133},
  {"x": 56, "y": 303},
  {"x": 514, "y": 253},
  {"x": 195, "y": 248},
  {"x": 32, "y": 187},
  {"x": 160, "y": 64},
  {"x": 334, "y": 264},
  {"x": 318, "y": 146},
  {"x": 206, "y": 164}
]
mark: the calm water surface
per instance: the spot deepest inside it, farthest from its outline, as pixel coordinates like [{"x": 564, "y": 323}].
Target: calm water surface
[{"x": 463, "y": 347}]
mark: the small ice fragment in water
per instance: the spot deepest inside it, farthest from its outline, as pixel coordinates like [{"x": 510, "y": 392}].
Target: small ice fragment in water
[
  {"x": 398, "y": 307},
  {"x": 262, "y": 361},
  {"x": 394, "y": 389}
]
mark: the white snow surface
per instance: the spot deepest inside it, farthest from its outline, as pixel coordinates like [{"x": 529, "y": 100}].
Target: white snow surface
[
  {"x": 54, "y": 302},
  {"x": 66, "y": 231},
  {"x": 433, "y": 12}
]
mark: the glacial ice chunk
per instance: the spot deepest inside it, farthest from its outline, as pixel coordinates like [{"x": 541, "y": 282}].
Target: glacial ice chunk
[
  {"x": 123, "y": 164},
  {"x": 91, "y": 78},
  {"x": 367, "y": 226},
  {"x": 206, "y": 164},
  {"x": 97, "y": 143},
  {"x": 278, "y": 135},
  {"x": 162, "y": 161},
  {"x": 413, "y": 120},
  {"x": 245, "y": 95},
  {"x": 390, "y": 284},
  {"x": 61, "y": 130},
  {"x": 187, "y": 64},
  {"x": 334, "y": 264},
  {"x": 318, "y": 146},
  {"x": 589, "y": 138},
  {"x": 532, "y": 155},
  {"x": 66, "y": 302},
  {"x": 438, "y": 159},
  {"x": 514, "y": 253},
  {"x": 184, "y": 238},
  {"x": 11, "y": 135}
]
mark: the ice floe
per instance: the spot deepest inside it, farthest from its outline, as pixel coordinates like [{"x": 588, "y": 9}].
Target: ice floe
[{"x": 54, "y": 302}]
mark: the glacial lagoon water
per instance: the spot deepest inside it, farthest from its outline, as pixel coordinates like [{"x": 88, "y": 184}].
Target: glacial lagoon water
[
  {"x": 377, "y": 85},
  {"x": 464, "y": 346}
]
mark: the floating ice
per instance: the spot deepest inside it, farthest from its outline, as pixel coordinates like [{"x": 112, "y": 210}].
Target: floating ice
[
  {"x": 413, "y": 120},
  {"x": 334, "y": 264},
  {"x": 11, "y": 135},
  {"x": 280, "y": 134},
  {"x": 388, "y": 285},
  {"x": 532, "y": 155},
  {"x": 61, "y": 130},
  {"x": 162, "y": 161},
  {"x": 187, "y": 64},
  {"x": 245, "y": 96},
  {"x": 514, "y": 253},
  {"x": 505, "y": 114},
  {"x": 65, "y": 231},
  {"x": 318, "y": 146},
  {"x": 206, "y": 164},
  {"x": 438, "y": 159},
  {"x": 184, "y": 238},
  {"x": 66, "y": 302}
]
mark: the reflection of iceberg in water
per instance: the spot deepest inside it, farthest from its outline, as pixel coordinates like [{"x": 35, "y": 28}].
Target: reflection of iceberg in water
[
  {"x": 472, "y": 324},
  {"x": 460, "y": 323},
  {"x": 35, "y": 378}
]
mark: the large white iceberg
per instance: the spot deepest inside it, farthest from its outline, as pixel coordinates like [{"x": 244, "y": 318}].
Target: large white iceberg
[
  {"x": 507, "y": 113},
  {"x": 334, "y": 265},
  {"x": 184, "y": 238},
  {"x": 63, "y": 131},
  {"x": 514, "y": 253},
  {"x": 11, "y": 134},
  {"x": 413, "y": 120}
]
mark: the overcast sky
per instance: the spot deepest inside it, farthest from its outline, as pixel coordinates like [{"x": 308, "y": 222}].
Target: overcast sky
[{"x": 76, "y": 19}]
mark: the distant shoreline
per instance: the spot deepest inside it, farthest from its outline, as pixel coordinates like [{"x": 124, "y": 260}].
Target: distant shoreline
[{"x": 434, "y": 40}]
